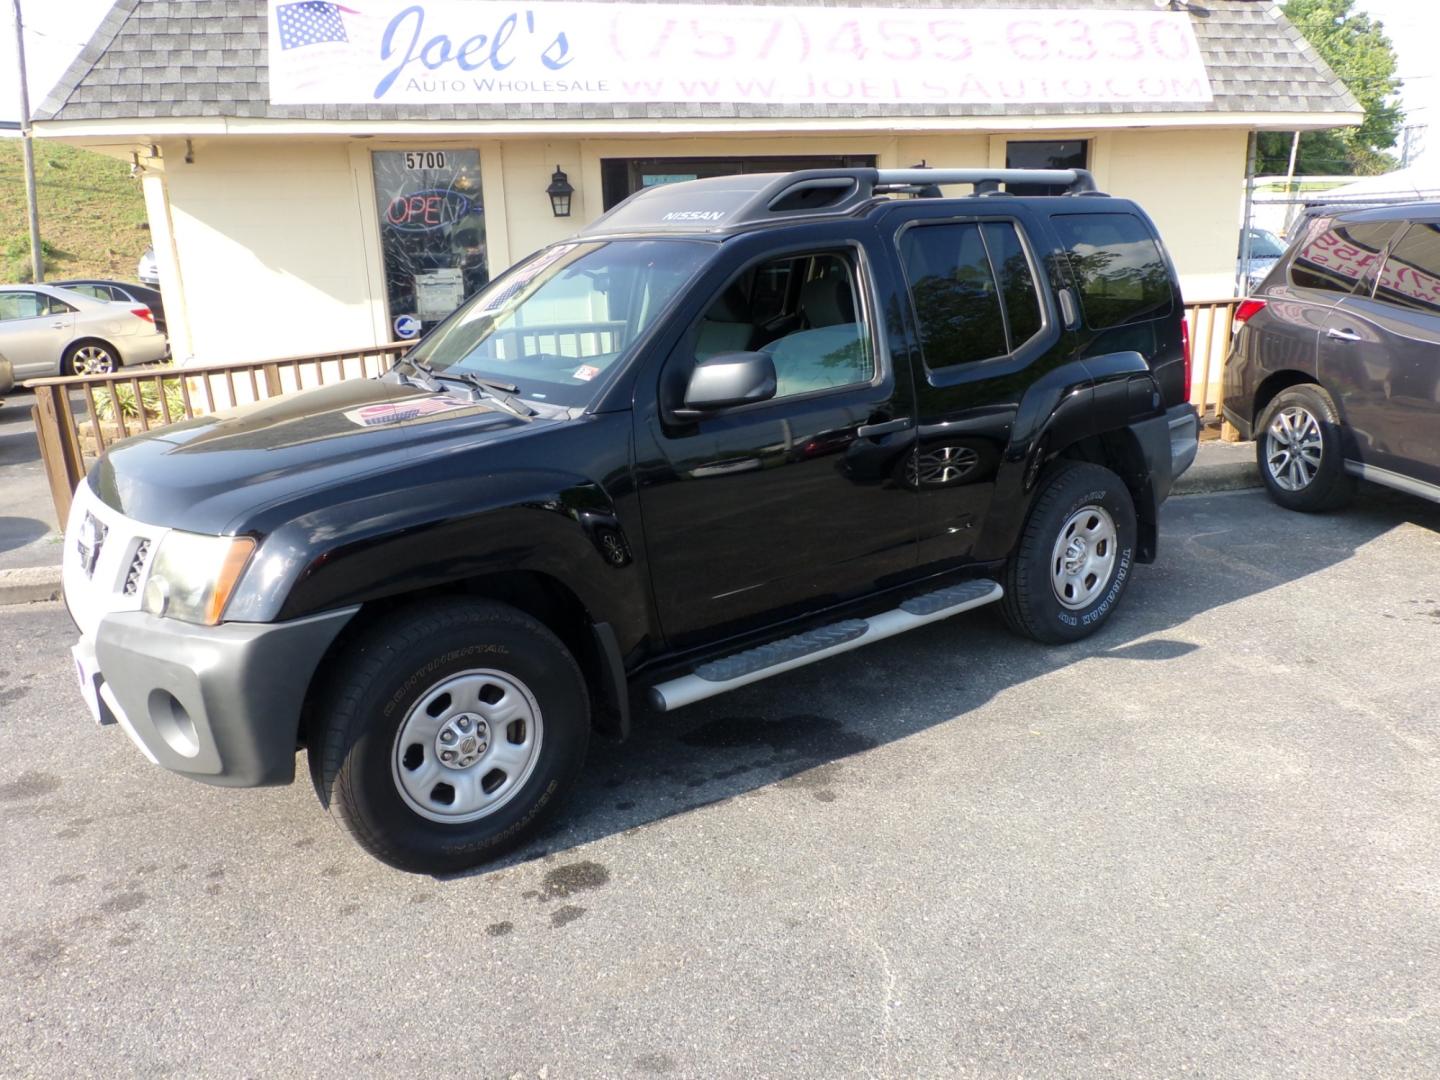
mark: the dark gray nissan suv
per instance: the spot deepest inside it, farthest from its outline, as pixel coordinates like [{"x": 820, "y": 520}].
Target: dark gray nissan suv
[{"x": 1335, "y": 369}]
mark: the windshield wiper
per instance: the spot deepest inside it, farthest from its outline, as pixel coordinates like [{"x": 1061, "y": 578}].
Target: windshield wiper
[
  {"x": 498, "y": 392},
  {"x": 426, "y": 373},
  {"x": 503, "y": 394}
]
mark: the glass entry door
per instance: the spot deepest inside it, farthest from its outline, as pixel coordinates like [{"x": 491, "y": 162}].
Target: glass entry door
[{"x": 432, "y": 234}]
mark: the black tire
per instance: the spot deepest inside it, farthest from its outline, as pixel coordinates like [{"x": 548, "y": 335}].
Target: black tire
[
  {"x": 376, "y": 689},
  {"x": 1033, "y": 606},
  {"x": 1300, "y": 418},
  {"x": 90, "y": 358}
]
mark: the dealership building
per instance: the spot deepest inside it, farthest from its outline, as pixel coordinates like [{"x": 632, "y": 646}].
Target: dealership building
[{"x": 319, "y": 177}]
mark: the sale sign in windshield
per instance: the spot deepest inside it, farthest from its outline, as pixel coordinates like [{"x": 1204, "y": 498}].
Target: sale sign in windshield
[{"x": 476, "y": 51}]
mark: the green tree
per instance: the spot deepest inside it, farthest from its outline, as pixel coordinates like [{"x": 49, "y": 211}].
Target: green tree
[{"x": 1354, "y": 45}]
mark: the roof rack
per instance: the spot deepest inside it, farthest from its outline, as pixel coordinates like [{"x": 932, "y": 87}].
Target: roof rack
[{"x": 722, "y": 203}]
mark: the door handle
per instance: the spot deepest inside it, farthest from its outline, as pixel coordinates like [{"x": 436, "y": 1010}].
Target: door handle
[
  {"x": 873, "y": 431},
  {"x": 57, "y": 326},
  {"x": 1342, "y": 335}
]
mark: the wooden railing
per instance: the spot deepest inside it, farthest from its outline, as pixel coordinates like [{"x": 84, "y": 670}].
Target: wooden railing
[
  {"x": 1211, "y": 323},
  {"x": 77, "y": 418}
]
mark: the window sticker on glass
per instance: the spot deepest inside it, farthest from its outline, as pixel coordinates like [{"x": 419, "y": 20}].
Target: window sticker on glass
[
  {"x": 438, "y": 292},
  {"x": 585, "y": 372}
]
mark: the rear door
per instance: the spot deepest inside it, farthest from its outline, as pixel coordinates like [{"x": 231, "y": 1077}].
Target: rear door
[
  {"x": 1380, "y": 355},
  {"x": 34, "y": 330},
  {"x": 977, "y": 323}
]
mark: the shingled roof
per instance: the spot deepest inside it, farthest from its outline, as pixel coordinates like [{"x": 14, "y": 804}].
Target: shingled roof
[{"x": 208, "y": 58}]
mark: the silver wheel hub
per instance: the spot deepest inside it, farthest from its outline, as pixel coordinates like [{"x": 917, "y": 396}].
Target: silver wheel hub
[
  {"x": 92, "y": 360},
  {"x": 1294, "y": 448},
  {"x": 1083, "y": 559},
  {"x": 467, "y": 746}
]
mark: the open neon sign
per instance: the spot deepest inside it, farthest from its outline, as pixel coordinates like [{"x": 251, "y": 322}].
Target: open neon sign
[{"x": 426, "y": 211}]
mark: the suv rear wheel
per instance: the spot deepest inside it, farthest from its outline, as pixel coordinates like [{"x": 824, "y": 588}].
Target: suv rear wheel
[
  {"x": 1299, "y": 451},
  {"x": 450, "y": 732},
  {"x": 1074, "y": 557}
]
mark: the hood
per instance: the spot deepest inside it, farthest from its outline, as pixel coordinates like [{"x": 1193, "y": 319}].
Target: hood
[{"x": 213, "y": 473}]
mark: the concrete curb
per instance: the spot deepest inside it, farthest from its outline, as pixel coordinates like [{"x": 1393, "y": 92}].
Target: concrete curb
[
  {"x": 30, "y": 585},
  {"x": 1220, "y": 466}
]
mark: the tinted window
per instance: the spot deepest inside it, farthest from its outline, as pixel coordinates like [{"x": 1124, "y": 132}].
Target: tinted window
[
  {"x": 1336, "y": 257},
  {"x": 957, "y": 303},
  {"x": 58, "y": 307},
  {"x": 1118, "y": 266},
  {"x": 815, "y": 333},
  {"x": 22, "y": 305},
  {"x": 97, "y": 292},
  {"x": 1017, "y": 283},
  {"x": 1412, "y": 272},
  {"x": 1048, "y": 154}
]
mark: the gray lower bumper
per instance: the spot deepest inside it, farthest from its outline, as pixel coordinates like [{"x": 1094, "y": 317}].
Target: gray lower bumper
[{"x": 220, "y": 704}]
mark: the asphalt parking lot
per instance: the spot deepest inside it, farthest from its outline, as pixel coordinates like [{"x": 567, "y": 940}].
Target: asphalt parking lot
[{"x": 1206, "y": 842}]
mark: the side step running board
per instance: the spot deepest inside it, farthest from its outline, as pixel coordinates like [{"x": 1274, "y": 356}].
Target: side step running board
[{"x": 750, "y": 666}]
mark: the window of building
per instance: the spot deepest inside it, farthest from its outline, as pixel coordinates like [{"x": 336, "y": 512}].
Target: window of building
[
  {"x": 972, "y": 289},
  {"x": 1121, "y": 274},
  {"x": 1045, "y": 154},
  {"x": 1336, "y": 258},
  {"x": 432, "y": 233},
  {"x": 622, "y": 177},
  {"x": 1412, "y": 272},
  {"x": 805, "y": 311}
]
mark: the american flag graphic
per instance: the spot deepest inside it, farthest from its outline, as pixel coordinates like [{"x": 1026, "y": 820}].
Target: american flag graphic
[{"x": 310, "y": 22}]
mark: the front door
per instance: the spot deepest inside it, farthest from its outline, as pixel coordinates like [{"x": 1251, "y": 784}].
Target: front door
[
  {"x": 34, "y": 330},
  {"x": 1381, "y": 354},
  {"x": 780, "y": 507}
]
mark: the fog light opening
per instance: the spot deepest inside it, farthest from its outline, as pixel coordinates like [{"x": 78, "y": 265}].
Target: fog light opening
[{"x": 173, "y": 723}]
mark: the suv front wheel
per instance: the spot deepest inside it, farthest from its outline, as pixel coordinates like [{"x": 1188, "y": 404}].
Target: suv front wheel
[
  {"x": 1074, "y": 557},
  {"x": 451, "y": 730},
  {"x": 1299, "y": 451}
]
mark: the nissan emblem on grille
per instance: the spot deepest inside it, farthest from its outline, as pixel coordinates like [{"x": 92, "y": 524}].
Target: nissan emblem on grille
[{"x": 89, "y": 542}]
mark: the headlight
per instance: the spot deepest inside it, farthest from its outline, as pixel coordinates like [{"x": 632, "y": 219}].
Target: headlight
[{"x": 193, "y": 576}]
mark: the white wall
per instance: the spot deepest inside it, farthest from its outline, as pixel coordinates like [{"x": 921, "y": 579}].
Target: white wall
[
  {"x": 273, "y": 259},
  {"x": 276, "y": 242}
]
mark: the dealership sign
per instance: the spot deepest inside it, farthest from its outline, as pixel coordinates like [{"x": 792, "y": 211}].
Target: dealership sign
[{"x": 480, "y": 52}]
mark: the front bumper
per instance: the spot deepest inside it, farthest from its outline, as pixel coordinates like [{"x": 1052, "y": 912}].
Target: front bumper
[{"x": 219, "y": 704}]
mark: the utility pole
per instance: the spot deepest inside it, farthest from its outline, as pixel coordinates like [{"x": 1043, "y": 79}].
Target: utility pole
[{"x": 27, "y": 140}]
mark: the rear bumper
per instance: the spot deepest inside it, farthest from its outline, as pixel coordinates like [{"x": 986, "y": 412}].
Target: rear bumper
[
  {"x": 143, "y": 349},
  {"x": 1169, "y": 444},
  {"x": 219, "y": 704}
]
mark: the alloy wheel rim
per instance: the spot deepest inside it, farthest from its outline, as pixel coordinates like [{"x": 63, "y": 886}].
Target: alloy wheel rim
[
  {"x": 1083, "y": 557},
  {"x": 1294, "y": 448},
  {"x": 467, "y": 746},
  {"x": 93, "y": 360}
]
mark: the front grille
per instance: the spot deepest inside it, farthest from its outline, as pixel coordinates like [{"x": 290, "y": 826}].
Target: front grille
[{"x": 137, "y": 567}]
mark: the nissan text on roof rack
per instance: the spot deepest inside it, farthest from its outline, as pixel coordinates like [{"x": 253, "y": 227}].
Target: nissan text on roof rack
[{"x": 735, "y": 426}]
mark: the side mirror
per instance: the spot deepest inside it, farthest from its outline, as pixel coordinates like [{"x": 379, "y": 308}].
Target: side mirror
[{"x": 728, "y": 379}]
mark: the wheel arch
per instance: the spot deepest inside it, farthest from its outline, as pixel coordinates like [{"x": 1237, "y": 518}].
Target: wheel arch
[
  {"x": 1273, "y": 385},
  {"x": 80, "y": 343},
  {"x": 542, "y": 596}
]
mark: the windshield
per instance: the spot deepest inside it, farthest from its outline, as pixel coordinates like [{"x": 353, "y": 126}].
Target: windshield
[
  {"x": 1265, "y": 245},
  {"x": 562, "y": 319}
]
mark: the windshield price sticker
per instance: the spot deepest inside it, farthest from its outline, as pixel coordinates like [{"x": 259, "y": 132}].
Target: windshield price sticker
[{"x": 479, "y": 51}]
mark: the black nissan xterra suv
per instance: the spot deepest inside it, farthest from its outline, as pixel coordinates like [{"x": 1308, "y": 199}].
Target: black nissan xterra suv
[{"x": 735, "y": 426}]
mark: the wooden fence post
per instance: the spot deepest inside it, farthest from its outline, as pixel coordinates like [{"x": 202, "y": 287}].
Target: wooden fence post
[{"x": 59, "y": 446}]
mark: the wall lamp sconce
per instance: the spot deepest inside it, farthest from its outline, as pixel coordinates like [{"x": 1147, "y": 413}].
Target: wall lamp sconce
[{"x": 560, "y": 192}]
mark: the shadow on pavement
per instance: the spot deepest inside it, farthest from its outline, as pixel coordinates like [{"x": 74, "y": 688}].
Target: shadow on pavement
[
  {"x": 16, "y": 532},
  {"x": 1215, "y": 550}
]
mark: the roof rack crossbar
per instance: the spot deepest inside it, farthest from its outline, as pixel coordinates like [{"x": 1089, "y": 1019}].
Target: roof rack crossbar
[{"x": 1075, "y": 181}]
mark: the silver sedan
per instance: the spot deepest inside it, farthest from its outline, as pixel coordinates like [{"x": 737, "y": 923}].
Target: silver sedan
[{"x": 51, "y": 331}]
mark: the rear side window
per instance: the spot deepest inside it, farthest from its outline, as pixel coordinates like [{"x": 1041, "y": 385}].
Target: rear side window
[
  {"x": 1118, "y": 267},
  {"x": 966, "y": 280},
  {"x": 1336, "y": 257},
  {"x": 1412, "y": 273}
]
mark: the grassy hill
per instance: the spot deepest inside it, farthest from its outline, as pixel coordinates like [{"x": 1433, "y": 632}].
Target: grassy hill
[{"x": 92, "y": 215}]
